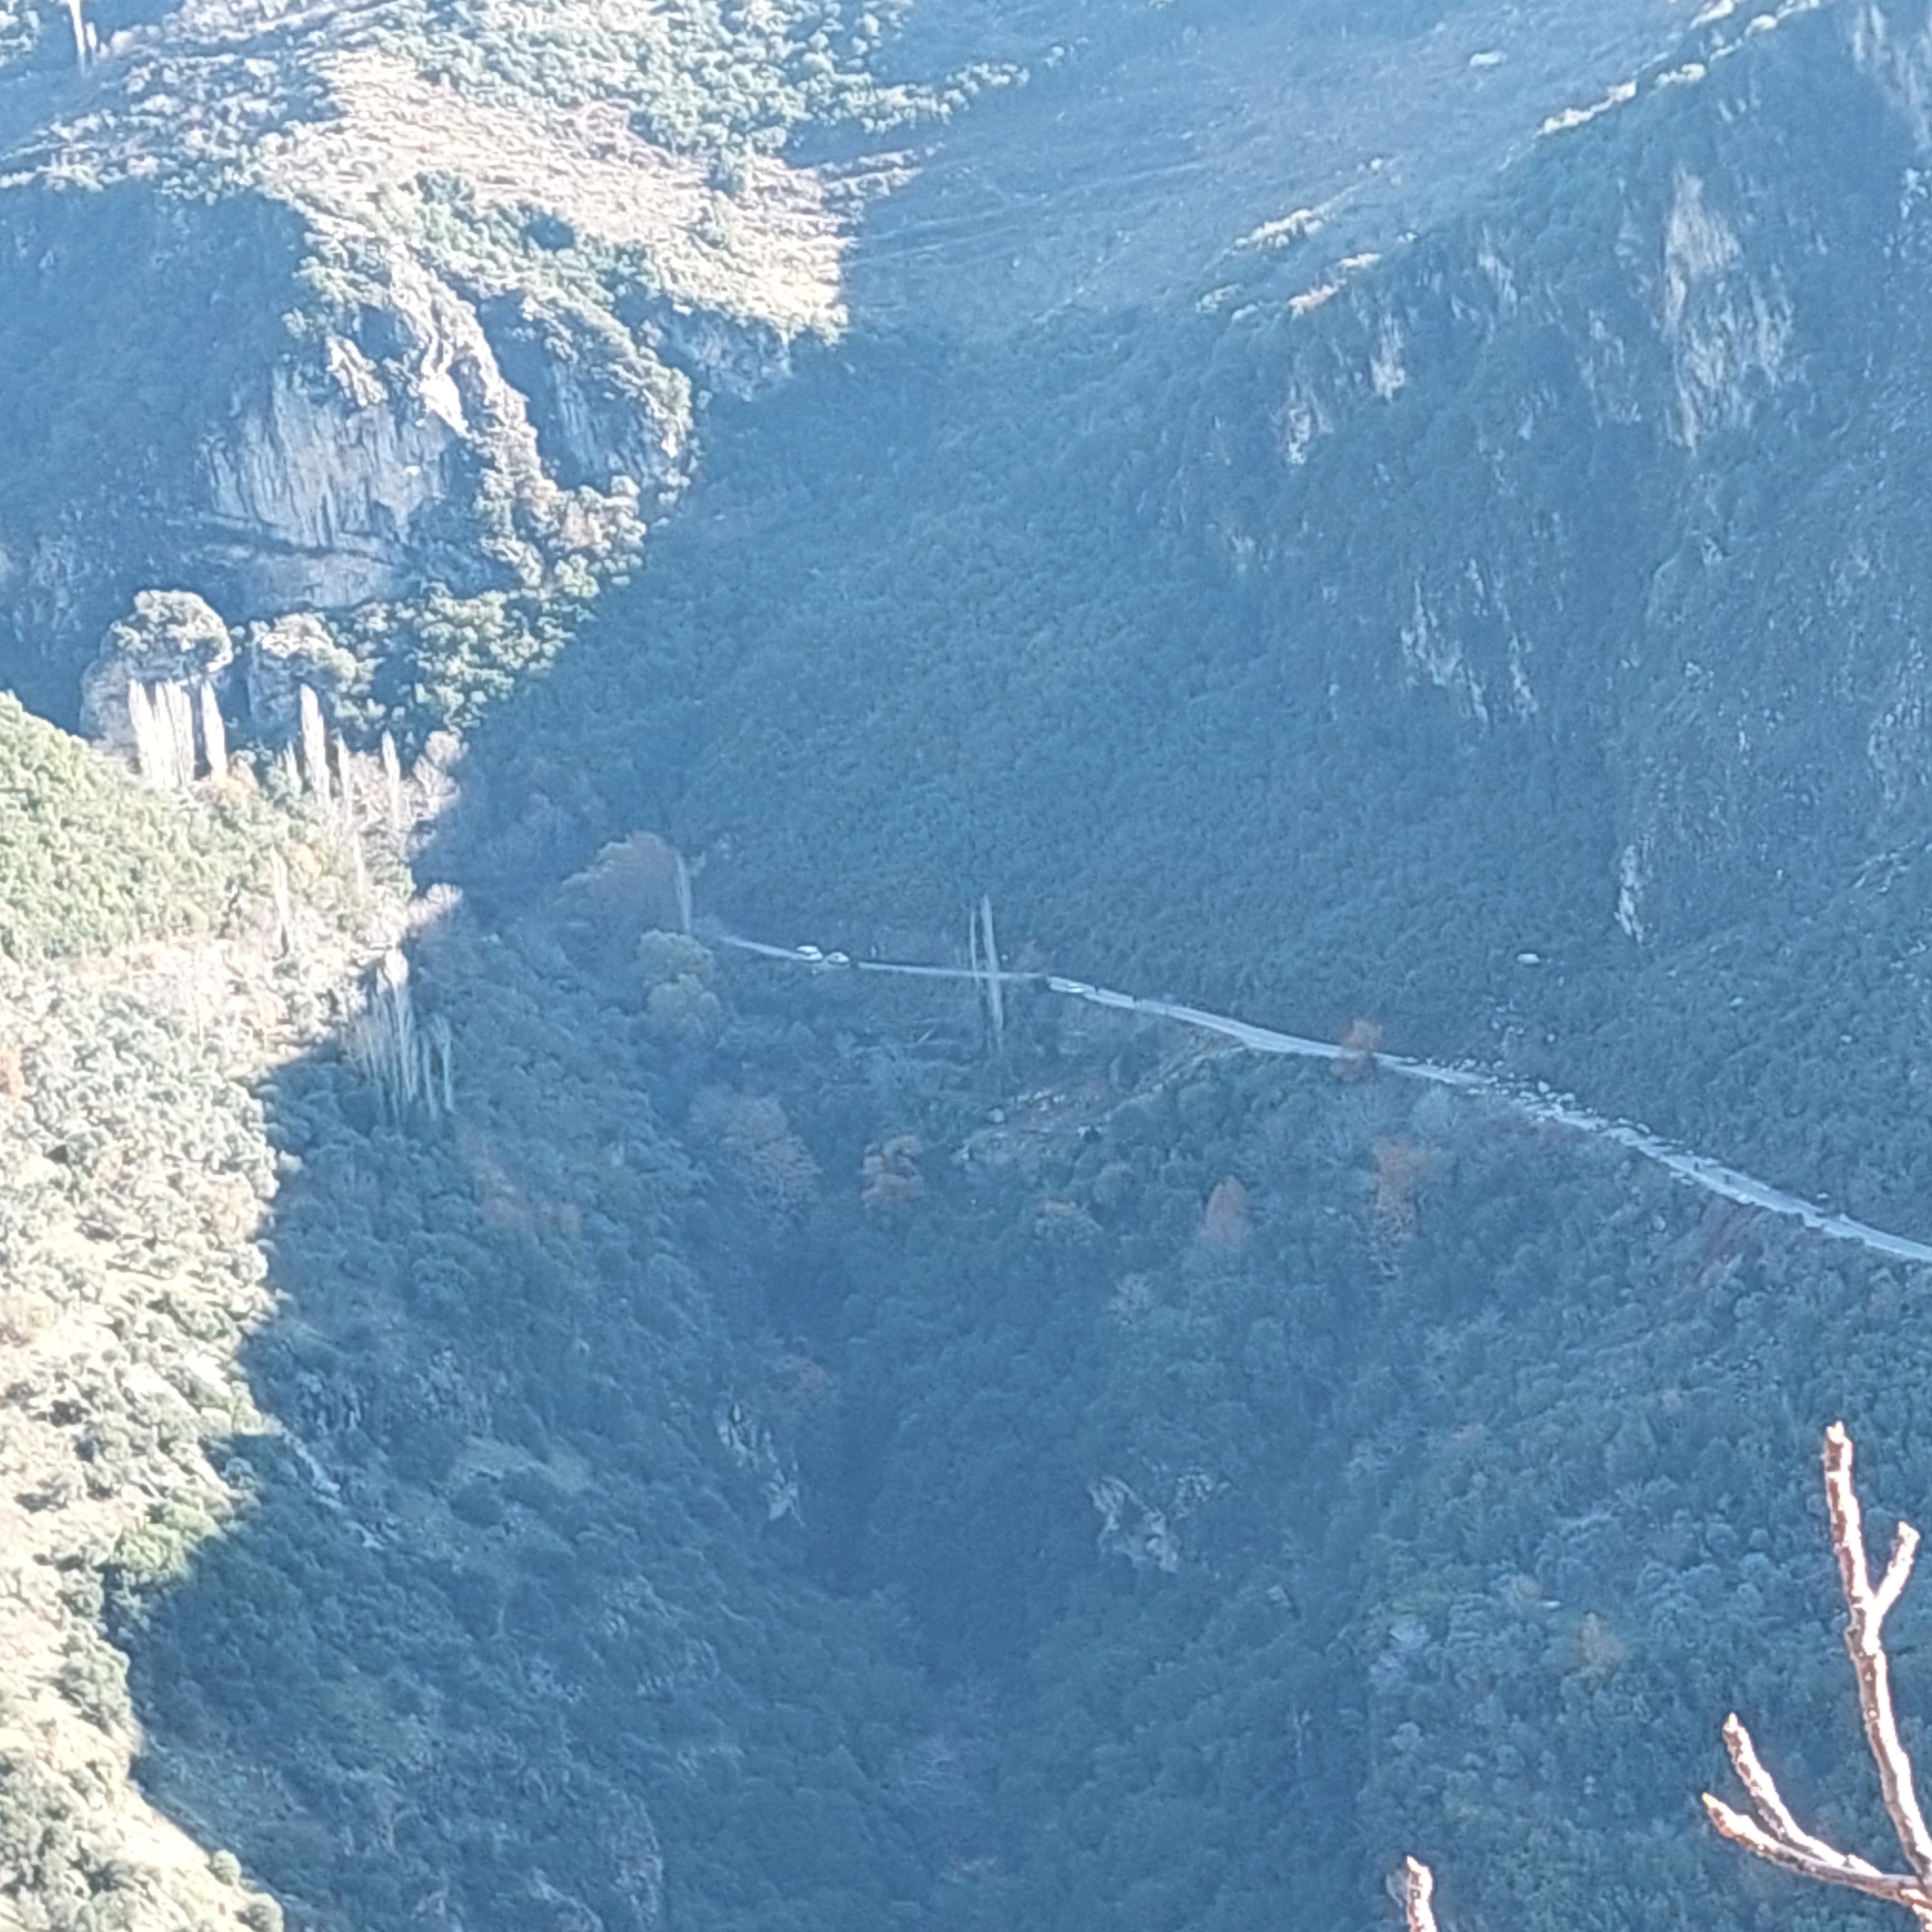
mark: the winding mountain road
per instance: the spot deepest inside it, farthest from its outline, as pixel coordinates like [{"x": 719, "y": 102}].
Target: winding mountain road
[{"x": 1696, "y": 1170}]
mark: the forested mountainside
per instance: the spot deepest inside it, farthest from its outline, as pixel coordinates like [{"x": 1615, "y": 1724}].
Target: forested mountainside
[
  {"x": 754, "y": 1457},
  {"x": 1398, "y": 518},
  {"x": 1324, "y": 640}
]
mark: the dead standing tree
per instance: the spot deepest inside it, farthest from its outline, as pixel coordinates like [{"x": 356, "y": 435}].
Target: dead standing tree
[{"x": 1773, "y": 1834}]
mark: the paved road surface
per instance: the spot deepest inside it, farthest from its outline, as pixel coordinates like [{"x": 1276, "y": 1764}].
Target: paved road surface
[{"x": 1697, "y": 1170}]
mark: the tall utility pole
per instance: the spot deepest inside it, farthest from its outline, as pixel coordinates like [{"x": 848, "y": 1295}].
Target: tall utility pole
[{"x": 988, "y": 949}]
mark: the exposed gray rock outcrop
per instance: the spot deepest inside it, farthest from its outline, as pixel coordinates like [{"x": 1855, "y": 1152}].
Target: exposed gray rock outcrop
[
  {"x": 362, "y": 333},
  {"x": 171, "y": 637}
]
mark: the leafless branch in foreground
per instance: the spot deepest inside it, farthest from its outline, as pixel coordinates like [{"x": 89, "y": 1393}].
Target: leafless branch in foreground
[
  {"x": 1773, "y": 1834},
  {"x": 1418, "y": 1888}
]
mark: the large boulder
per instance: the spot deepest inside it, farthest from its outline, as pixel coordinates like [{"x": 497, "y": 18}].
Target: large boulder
[{"x": 171, "y": 636}]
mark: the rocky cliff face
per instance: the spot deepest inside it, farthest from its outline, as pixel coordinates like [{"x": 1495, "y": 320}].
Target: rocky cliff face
[
  {"x": 1640, "y": 448},
  {"x": 312, "y": 315},
  {"x": 297, "y": 473}
]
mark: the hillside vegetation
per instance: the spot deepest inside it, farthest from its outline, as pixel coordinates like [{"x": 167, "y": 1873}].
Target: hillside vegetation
[
  {"x": 143, "y": 992},
  {"x": 792, "y": 1468},
  {"x": 92, "y": 861}
]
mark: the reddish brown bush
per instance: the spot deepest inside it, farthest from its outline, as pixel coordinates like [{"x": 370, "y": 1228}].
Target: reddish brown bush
[
  {"x": 1227, "y": 1227},
  {"x": 1402, "y": 1168},
  {"x": 633, "y": 886},
  {"x": 771, "y": 1160},
  {"x": 1359, "y": 1046},
  {"x": 888, "y": 1175}
]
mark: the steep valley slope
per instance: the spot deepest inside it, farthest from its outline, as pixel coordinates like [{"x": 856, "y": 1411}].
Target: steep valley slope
[
  {"x": 763, "y": 1459},
  {"x": 150, "y": 972}
]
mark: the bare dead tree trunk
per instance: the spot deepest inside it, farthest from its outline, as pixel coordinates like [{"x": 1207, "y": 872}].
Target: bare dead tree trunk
[
  {"x": 175, "y": 707},
  {"x": 141, "y": 725},
  {"x": 315, "y": 745},
  {"x": 214, "y": 734},
  {"x": 1774, "y": 1835},
  {"x": 345, "y": 785},
  {"x": 972, "y": 962},
  {"x": 285, "y": 911},
  {"x": 392, "y": 780}
]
